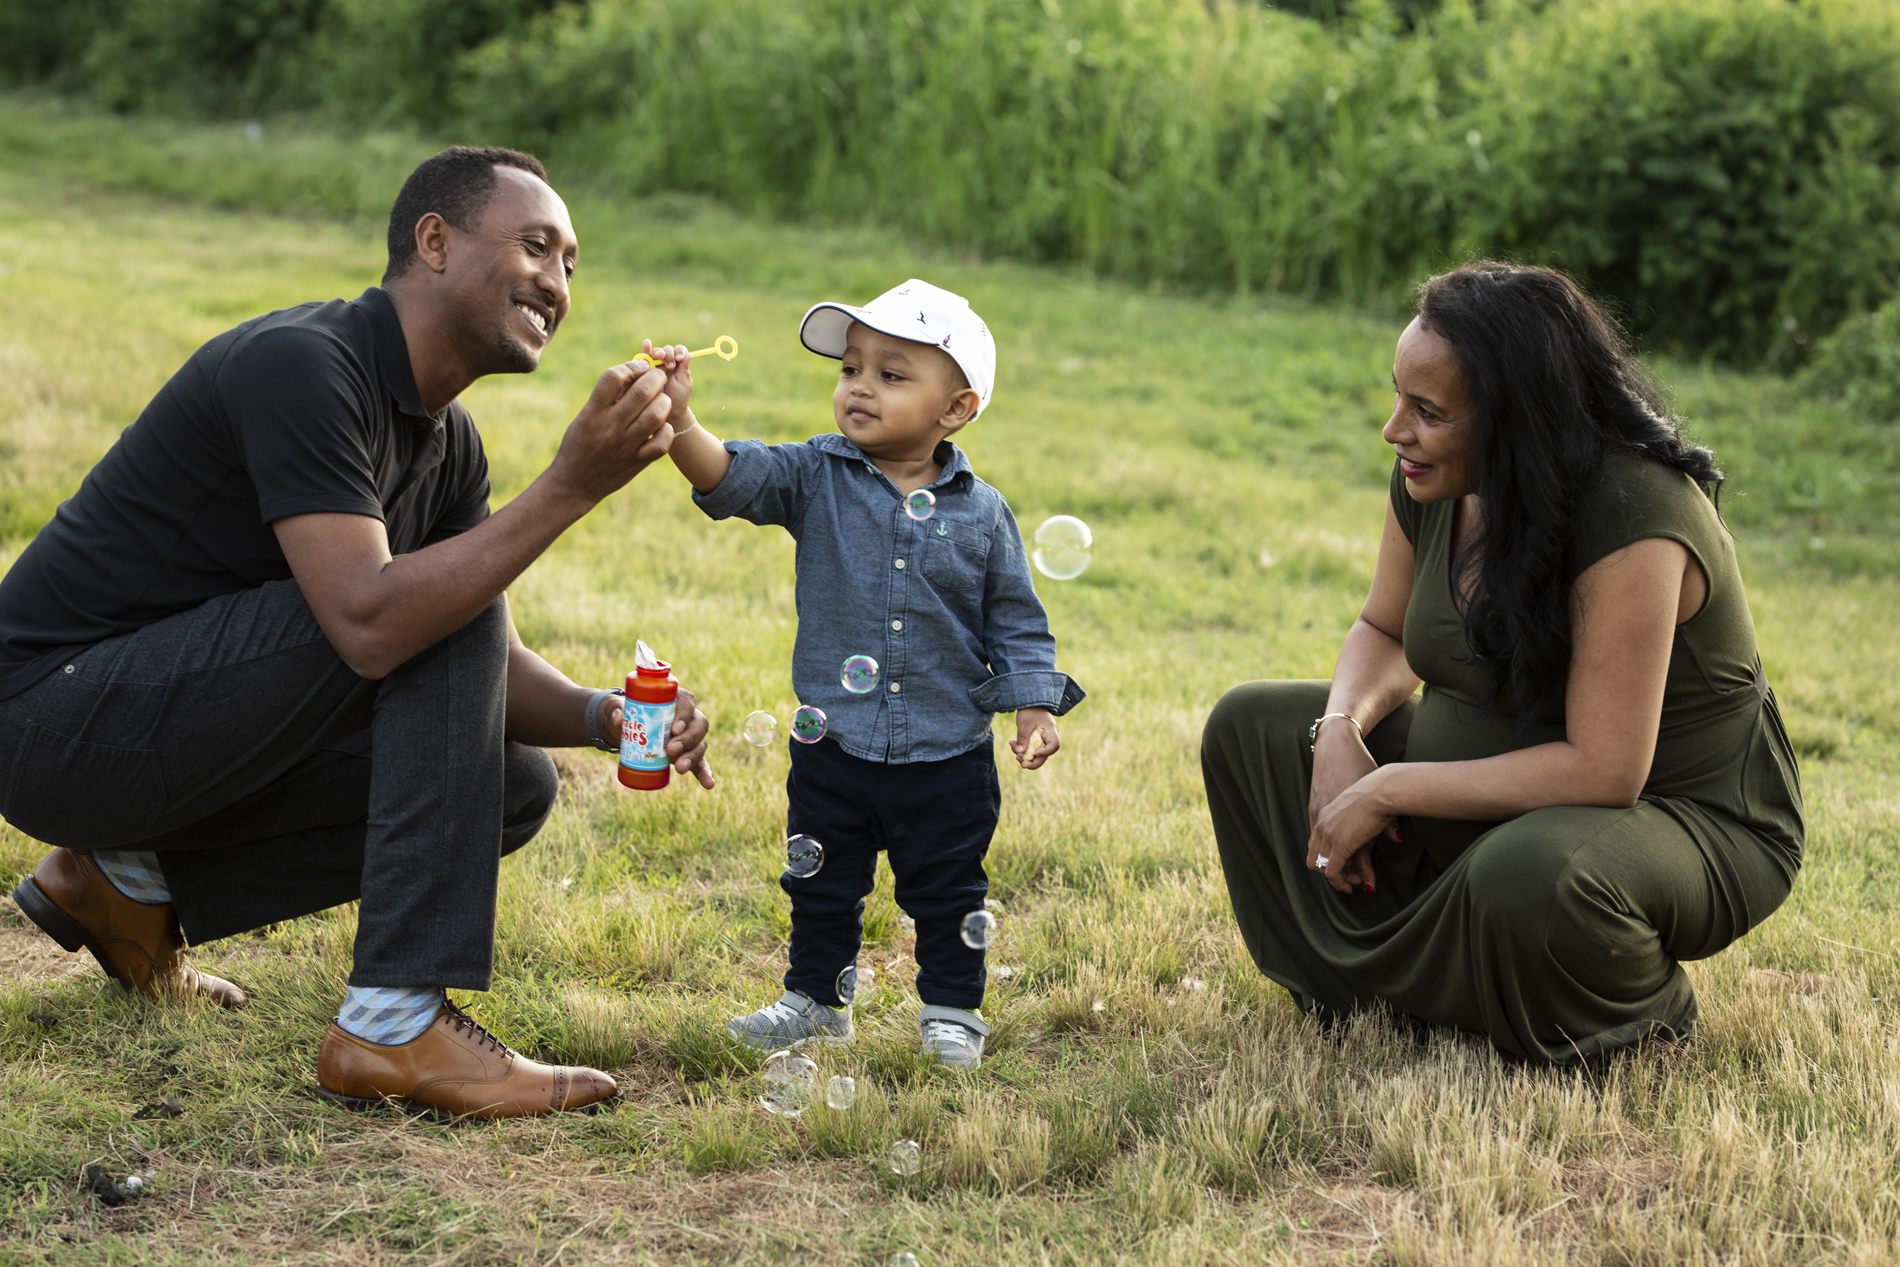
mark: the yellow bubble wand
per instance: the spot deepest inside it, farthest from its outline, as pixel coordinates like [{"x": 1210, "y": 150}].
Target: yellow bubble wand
[{"x": 725, "y": 347}]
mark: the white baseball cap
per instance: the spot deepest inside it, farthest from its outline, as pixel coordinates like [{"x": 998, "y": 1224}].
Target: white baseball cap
[{"x": 921, "y": 313}]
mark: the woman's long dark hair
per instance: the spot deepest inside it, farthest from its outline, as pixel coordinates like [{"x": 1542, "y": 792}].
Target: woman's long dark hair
[{"x": 1553, "y": 387}]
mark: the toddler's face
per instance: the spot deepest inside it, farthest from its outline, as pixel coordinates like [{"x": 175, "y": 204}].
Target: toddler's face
[{"x": 896, "y": 399}]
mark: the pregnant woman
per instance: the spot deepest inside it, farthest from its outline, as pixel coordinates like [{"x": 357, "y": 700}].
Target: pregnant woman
[{"x": 1595, "y": 784}]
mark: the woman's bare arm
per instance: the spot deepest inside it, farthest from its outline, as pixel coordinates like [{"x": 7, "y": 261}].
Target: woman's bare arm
[
  {"x": 1625, "y": 609},
  {"x": 1372, "y": 677}
]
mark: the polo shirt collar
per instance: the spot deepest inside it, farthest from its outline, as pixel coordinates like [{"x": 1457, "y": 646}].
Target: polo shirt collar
[
  {"x": 956, "y": 466},
  {"x": 392, "y": 353}
]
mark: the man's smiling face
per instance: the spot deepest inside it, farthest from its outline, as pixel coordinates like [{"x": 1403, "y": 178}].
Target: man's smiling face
[{"x": 507, "y": 280}]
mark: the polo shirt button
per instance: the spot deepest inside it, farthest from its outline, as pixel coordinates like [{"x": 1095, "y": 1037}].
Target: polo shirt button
[
  {"x": 896, "y": 687},
  {"x": 897, "y": 625},
  {"x": 899, "y": 565}
]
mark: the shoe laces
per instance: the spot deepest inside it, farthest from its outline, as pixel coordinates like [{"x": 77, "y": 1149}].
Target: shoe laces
[
  {"x": 480, "y": 1032},
  {"x": 940, "y": 1033},
  {"x": 780, "y": 1012}
]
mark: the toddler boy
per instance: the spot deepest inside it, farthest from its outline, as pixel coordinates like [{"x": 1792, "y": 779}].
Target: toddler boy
[{"x": 944, "y": 604}]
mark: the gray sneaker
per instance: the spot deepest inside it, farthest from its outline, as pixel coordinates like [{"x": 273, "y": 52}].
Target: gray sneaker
[
  {"x": 953, "y": 1037},
  {"x": 793, "y": 1021}
]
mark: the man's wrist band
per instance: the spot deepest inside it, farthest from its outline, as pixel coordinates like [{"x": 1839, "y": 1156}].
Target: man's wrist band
[
  {"x": 593, "y": 720},
  {"x": 1312, "y": 732}
]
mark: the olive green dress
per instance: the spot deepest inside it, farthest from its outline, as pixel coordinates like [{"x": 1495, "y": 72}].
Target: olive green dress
[{"x": 1559, "y": 934}]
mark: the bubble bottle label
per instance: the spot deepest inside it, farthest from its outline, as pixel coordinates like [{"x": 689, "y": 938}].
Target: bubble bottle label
[
  {"x": 646, "y": 722},
  {"x": 644, "y": 729}
]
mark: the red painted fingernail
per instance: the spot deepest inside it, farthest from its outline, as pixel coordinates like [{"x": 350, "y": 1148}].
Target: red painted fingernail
[
  {"x": 1368, "y": 888},
  {"x": 1398, "y": 833}
]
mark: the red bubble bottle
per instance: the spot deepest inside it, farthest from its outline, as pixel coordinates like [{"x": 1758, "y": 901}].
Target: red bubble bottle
[{"x": 646, "y": 721}]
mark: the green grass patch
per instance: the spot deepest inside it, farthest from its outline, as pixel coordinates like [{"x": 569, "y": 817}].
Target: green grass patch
[{"x": 1150, "y": 1097}]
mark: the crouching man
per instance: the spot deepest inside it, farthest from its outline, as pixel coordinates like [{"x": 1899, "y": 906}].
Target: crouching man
[{"x": 262, "y": 663}]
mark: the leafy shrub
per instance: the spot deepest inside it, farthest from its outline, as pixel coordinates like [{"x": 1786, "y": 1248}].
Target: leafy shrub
[
  {"x": 1859, "y": 363},
  {"x": 1720, "y": 167},
  {"x": 1727, "y": 170}
]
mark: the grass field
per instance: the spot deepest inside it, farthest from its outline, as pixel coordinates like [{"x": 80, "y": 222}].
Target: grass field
[{"x": 1149, "y": 1098}]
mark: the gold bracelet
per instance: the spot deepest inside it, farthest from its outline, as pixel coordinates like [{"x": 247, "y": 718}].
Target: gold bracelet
[{"x": 1312, "y": 732}]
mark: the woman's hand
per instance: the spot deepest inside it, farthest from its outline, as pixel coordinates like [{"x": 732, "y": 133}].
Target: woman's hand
[
  {"x": 1343, "y": 834},
  {"x": 1340, "y": 760}
]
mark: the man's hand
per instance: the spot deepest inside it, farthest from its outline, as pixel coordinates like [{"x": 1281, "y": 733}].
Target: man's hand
[
  {"x": 1036, "y": 738},
  {"x": 687, "y": 748},
  {"x": 619, "y": 432}
]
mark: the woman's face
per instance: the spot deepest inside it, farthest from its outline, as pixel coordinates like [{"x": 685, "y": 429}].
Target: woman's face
[{"x": 1431, "y": 421}]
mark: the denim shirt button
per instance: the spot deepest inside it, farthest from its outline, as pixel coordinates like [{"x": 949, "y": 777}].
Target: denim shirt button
[
  {"x": 898, "y": 625},
  {"x": 899, "y": 565},
  {"x": 896, "y": 687}
]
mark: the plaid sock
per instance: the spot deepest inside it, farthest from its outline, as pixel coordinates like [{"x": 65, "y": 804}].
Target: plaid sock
[
  {"x": 388, "y": 1015},
  {"x": 135, "y": 873}
]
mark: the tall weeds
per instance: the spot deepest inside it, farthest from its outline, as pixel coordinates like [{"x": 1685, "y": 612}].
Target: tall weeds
[{"x": 1729, "y": 170}]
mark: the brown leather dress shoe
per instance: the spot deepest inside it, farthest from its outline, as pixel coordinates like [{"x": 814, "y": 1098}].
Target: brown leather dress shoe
[
  {"x": 454, "y": 1069},
  {"x": 139, "y": 945}
]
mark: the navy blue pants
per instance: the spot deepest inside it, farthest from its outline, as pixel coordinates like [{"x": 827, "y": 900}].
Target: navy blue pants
[{"x": 935, "y": 820}]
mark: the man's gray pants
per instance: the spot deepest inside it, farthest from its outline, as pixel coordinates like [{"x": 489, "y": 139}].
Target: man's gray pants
[{"x": 272, "y": 781}]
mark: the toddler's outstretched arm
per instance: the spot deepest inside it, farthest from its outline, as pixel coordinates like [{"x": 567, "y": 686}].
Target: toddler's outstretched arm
[{"x": 697, "y": 452}]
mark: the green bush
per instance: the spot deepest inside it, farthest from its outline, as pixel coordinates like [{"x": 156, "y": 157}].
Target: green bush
[
  {"x": 1859, "y": 363},
  {"x": 1725, "y": 169}
]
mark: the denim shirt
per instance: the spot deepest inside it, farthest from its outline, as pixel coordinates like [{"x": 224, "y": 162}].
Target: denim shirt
[{"x": 946, "y": 605}]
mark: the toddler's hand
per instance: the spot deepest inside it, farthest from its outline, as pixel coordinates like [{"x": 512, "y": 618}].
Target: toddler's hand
[
  {"x": 1036, "y": 738},
  {"x": 673, "y": 360}
]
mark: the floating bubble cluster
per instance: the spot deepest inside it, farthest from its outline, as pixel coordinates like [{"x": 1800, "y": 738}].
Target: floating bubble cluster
[
  {"x": 841, "y": 1092},
  {"x": 788, "y": 1083},
  {"x": 803, "y": 857},
  {"x": 761, "y": 728},
  {"x": 921, "y": 504},
  {"x": 906, "y": 1157},
  {"x": 808, "y": 724},
  {"x": 979, "y": 929},
  {"x": 854, "y": 981},
  {"x": 1062, "y": 548},
  {"x": 859, "y": 674}
]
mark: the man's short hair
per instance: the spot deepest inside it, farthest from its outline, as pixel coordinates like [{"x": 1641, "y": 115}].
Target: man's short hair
[{"x": 457, "y": 184}]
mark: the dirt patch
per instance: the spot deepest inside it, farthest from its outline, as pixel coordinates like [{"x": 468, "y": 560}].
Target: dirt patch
[{"x": 27, "y": 954}]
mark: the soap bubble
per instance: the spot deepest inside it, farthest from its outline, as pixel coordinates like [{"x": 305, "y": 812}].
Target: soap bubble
[
  {"x": 906, "y": 1157},
  {"x": 803, "y": 857},
  {"x": 788, "y": 1083},
  {"x": 841, "y": 1092},
  {"x": 1062, "y": 547},
  {"x": 854, "y": 981},
  {"x": 979, "y": 929},
  {"x": 903, "y": 1260},
  {"x": 761, "y": 728},
  {"x": 859, "y": 674},
  {"x": 808, "y": 724},
  {"x": 921, "y": 504}
]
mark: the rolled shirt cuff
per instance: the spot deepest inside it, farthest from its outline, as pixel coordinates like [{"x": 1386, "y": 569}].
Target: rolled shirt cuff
[
  {"x": 1036, "y": 688},
  {"x": 744, "y": 478}
]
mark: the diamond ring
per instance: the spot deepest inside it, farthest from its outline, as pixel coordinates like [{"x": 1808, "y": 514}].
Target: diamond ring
[{"x": 1319, "y": 864}]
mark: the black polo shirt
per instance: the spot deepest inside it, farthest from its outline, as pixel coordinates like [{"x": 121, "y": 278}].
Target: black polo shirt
[{"x": 302, "y": 410}]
